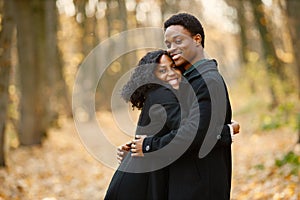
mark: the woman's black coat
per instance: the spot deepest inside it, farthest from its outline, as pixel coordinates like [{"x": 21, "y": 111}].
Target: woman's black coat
[{"x": 150, "y": 185}]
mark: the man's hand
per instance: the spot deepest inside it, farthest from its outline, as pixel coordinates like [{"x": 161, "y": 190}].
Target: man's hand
[
  {"x": 137, "y": 146},
  {"x": 236, "y": 127},
  {"x": 122, "y": 151}
]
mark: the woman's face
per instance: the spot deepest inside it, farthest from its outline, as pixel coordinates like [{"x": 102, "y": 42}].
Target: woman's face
[{"x": 166, "y": 72}]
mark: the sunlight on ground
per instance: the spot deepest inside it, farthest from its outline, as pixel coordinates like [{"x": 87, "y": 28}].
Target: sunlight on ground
[{"x": 63, "y": 169}]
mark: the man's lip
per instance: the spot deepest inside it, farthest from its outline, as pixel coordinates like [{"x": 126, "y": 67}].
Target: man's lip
[{"x": 175, "y": 56}]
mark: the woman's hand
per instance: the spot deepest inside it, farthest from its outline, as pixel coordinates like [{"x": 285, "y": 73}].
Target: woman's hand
[
  {"x": 122, "y": 151},
  {"x": 137, "y": 146}
]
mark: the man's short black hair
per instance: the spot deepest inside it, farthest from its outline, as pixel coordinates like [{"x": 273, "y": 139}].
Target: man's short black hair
[{"x": 189, "y": 22}]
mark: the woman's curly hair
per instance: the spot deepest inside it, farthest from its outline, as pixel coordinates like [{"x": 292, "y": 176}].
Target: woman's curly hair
[{"x": 142, "y": 80}]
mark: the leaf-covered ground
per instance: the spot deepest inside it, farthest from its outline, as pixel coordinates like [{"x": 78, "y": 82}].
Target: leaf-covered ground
[{"x": 63, "y": 169}]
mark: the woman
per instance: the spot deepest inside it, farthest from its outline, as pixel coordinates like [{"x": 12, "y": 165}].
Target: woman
[
  {"x": 154, "y": 81},
  {"x": 149, "y": 85}
]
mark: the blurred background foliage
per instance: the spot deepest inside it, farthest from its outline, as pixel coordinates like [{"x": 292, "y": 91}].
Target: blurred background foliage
[{"x": 43, "y": 43}]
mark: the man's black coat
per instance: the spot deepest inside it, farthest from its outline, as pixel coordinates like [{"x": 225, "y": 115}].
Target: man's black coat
[{"x": 209, "y": 177}]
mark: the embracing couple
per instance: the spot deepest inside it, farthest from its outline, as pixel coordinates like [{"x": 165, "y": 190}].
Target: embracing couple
[{"x": 182, "y": 148}]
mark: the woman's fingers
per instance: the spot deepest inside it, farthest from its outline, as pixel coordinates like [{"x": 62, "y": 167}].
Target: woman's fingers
[
  {"x": 135, "y": 151},
  {"x": 134, "y": 155},
  {"x": 119, "y": 159},
  {"x": 139, "y": 154},
  {"x": 122, "y": 151}
]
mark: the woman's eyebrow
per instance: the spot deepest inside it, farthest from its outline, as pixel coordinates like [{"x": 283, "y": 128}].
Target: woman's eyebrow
[{"x": 162, "y": 66}]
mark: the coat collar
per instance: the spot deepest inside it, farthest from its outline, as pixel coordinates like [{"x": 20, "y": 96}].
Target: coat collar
[{"x": 202, "y": 67}]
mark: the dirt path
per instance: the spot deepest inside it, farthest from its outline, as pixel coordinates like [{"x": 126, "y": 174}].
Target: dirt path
[{"x": 63, "y": 169}]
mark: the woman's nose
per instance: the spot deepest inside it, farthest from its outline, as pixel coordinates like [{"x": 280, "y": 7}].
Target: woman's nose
[{"x": 171, "y": 72}]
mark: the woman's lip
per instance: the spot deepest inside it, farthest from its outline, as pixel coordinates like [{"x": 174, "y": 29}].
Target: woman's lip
[{"x": 173, "y": 81}]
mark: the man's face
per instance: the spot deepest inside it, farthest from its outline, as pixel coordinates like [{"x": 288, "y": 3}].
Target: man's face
[{"x": 182, "y": 46}]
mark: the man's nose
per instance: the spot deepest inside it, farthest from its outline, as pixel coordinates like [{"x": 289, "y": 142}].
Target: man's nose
[{"x": 172, "y": 48}]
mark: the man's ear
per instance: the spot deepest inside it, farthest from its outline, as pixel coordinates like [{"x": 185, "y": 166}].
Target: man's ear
[{"x": 197, "y": 38}]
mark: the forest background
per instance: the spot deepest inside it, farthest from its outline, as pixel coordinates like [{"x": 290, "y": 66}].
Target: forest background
[{"x": 44, "y": 43}]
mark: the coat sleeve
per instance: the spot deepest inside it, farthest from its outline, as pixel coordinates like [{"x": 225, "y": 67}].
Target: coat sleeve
[
  {"x": 164, "y": 110},
  {"x": 167, "y": 105},
  {"x": 194, "y": 127}
]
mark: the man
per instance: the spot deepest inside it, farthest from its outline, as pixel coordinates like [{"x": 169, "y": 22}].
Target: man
[{"x": 204, "y": 169}]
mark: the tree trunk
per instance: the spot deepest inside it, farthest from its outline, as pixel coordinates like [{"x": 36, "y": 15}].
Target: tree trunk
[
  {"x": 88, "y": 28},
  {"x": 293, "y": 7},
  {"x": 52, "y": 63},
  {"x": 31, "y": 55},
  {"x": 123, "y": 14},
  {"x": 5, "y": 66},
  {"x": 169, "y": 7},
  {"x": 244, "y": 43},
  {"x": 271, "y": 60},
  {"x": 57, "y": 88},
  {"x": 243, "y": 23}
]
